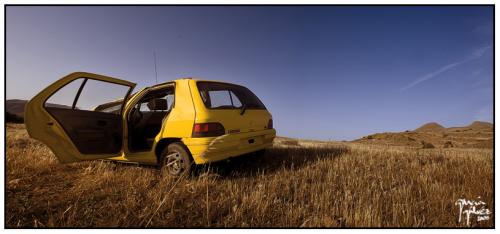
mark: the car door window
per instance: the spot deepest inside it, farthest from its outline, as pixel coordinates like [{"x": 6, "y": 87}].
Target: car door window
[
  {"x": 143, "y": 104},
  {"x": 65, "y": 96},
  {"x": 96, "y": 93},
  {"x": 90, "y": 95}
]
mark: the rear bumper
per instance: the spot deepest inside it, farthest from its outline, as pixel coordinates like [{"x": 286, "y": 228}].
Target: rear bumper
[{"x": 211, "y": 149}]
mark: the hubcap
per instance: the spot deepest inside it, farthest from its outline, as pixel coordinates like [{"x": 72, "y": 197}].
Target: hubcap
[{"x": 174, "y": 163}]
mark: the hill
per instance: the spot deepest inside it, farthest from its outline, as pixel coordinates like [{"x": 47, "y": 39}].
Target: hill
[
  {"x": 476, "y": 135},
  {"x": 479, "y": 125},
  {"x": 16, "y": 106},
  {"x": 430, "y": 127}
]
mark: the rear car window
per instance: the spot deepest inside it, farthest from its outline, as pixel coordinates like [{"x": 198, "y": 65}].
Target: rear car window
[{"x": 228, "y": 96}]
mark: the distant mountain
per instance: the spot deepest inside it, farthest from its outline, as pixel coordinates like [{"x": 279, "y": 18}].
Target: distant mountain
[
  {"x": 433, "y": 135},
  {"x": 480, "y": 125},
  {"x": 16, "y": 106},
  {"x": 430, "y": 127}
]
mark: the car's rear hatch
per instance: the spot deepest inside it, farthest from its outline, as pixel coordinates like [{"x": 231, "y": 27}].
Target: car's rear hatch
[{"x": 233, "y": 106}]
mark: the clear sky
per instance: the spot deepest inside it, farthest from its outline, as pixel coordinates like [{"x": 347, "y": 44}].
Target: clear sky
[{"x": 333, "y": 72}]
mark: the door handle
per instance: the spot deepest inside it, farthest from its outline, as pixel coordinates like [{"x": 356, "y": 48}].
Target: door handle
[
  {"x": 50, "y": 123},
  {"x": 101, "y": 122}
]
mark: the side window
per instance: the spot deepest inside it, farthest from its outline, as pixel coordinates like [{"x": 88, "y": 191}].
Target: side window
[
  {"x": 155, "y": 101},
  {"x": 65, "y": 96},
  {"x": 97, "y": 92},
  {"x": 236, "y": 101},
  {"x": 220, "y": 98},
  {"x": 227, "y": 96},
  {"x": 170, "y": 101},
  {"x": 90, "y": 95},
  {"x": 246, "y": 96}
]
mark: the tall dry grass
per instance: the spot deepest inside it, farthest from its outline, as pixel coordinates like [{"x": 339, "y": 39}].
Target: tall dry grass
[{"x": 304, "y": 184}]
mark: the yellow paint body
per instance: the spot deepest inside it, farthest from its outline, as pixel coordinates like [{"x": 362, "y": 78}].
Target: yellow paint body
[{"x": 188, "y": 109}]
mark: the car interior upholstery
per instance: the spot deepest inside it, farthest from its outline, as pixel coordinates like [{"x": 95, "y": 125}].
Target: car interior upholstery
[{"x": 146, "y": 118}]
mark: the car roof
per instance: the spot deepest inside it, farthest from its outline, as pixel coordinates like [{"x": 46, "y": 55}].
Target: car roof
[{"x": 193, "y": 79}]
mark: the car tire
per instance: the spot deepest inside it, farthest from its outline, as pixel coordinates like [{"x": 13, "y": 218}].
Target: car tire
[{"x": 176, "y": 160}]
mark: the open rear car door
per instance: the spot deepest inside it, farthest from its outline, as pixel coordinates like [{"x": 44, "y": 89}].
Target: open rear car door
[{"x": 63, "y": 116}]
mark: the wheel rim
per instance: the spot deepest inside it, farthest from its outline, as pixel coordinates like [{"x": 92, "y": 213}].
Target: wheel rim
[{"x": 174, "y": 163}]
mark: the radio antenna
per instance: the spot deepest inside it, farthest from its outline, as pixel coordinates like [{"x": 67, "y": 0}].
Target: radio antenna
[{"x": 156, "y": 73}]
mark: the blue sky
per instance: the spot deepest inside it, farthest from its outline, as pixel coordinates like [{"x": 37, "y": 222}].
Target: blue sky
[{"x": 334, "y": 72}]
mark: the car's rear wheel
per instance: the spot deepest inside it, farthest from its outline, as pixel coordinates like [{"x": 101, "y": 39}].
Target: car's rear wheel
[{"x": 176, "y": 160}]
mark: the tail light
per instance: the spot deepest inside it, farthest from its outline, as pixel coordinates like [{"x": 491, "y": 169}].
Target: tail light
[
  {"x": 208, "y": 129},
  {"x": 270, "y": 124}
]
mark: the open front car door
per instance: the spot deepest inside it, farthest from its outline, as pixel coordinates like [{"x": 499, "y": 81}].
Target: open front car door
[{"x": 65, "y": 118}]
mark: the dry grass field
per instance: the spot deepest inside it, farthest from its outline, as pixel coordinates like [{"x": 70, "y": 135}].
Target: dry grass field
[{"x": 295, "y": 184}]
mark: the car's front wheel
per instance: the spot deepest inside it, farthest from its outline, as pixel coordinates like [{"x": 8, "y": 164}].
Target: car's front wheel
[{"x": 175, "y": 160}]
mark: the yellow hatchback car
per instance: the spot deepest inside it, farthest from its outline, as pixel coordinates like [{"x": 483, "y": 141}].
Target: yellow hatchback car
[{"x": 86, "y": 116}]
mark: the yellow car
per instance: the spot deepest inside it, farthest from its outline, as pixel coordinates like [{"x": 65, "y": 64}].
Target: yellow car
[{"x": 85, "y": 116}]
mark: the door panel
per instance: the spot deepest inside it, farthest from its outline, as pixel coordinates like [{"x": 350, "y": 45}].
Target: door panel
[
  {"x": 91, "y": 132},
  {"x": 74, "y": 134}
]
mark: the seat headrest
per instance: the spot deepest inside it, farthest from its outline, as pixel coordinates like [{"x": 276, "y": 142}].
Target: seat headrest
[{"x": 158, "y": 104}]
